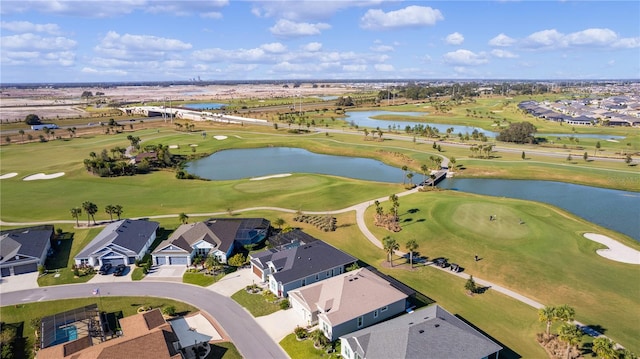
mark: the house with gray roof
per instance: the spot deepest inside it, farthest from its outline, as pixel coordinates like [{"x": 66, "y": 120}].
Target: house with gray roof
[
  {"x": 427, "y": 333},
  {"x": 217, "y": 237},
  {"x": 23, "y": 250},
  {"x": 348, "y": 302},
  {"x": 120, "y": 242},
  {"x": 299, "y": 266}
]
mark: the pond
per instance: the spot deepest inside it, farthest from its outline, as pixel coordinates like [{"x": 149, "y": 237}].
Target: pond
[
  {"x": 256, "y": 162},
  {"x": 205, "y": 106},
  {"x": 364, "y": 119},
  {"x": 617, "y": 210},
  {"x": 613, "y": 209}
]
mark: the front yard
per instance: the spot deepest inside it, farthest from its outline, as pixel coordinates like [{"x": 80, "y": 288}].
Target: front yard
[{"x": 259, "y": 303}]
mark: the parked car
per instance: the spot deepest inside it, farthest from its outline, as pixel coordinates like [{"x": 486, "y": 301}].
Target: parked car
[
  {"x": 119, "y": 271},
  {"x": 105, "y": 268}
]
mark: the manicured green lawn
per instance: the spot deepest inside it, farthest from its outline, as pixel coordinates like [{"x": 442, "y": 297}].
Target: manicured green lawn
[
  {"x": 201, "y": 279},
  {"x": 303, "y": 349},
  {"x": 122, "y": 306},
  {"x": 137, "y": 273},
  {"x": 546, "y": 258},
  {"x": 256, "y": 304}
]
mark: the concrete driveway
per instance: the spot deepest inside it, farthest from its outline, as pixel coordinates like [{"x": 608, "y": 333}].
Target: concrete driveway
[
  {"x": 281, "y": 323},
  {"x": 171, "y": 273},
  {"x": 233, "y": 282},
  {"x": 19, "y": 282},
  {"x": 110, "y": 278}
]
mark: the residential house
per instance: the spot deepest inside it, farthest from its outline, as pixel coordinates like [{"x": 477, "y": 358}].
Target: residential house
[
  {"x": 120, "y": 242},
  {"x": 145, "y": 335},
  {"x": 348, "y": 302},
  {"x": 427, "y": 333},
  {"x": 23, "y": 250},
  {"x": 299, "y": 266},
  {"x": 215, "y": 237}
]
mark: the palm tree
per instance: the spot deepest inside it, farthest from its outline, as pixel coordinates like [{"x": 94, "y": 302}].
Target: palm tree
[
  {"x": 404, "y": 171},
  {"x": 604, "y": 348},
  {"x": 75, "y": 213},
  {"x": 411, "y": 246},
  {"x": 21, "y": 132},
  {"x": 110, "y": 210},
  {"x": 390, "y": 246},
  {"x": 571, "y": 335},
  {"x": 318, "y": 338},
  {"x": 547, "y": 314},
  {"x": 117, "y": 210},
  {"x": 410, "y": 177},
  {"x": 424, "y": 169},
  {"x": 91, "y": 209},
  {"x": 279, "y": 222},
  {"x": 433, "y": 179},
  {"x": 183, "y": 218},
  {"x": 565, "y": 313}
]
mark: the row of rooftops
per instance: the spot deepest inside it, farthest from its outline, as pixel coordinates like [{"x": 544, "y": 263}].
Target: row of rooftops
[{"x": 618, "y": 110}]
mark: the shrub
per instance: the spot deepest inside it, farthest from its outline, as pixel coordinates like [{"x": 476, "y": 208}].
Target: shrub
[
  {"x": 284, "y": 304},
  {"x": 169, "y": 310},
  {"x": 300, "y": 333},
  {"x": 41, "y": 269}
]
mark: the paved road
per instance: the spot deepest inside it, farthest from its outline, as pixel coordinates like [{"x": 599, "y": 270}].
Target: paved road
[{"x": 250, "y": 339}]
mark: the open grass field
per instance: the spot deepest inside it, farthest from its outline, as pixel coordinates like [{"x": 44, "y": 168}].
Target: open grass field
[{"x": 545, "y": 258}]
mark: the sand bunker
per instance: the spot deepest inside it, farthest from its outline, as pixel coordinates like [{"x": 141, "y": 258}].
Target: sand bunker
[
  {"x": 272, "y": 176},
  {"x": 8, "y": 175},
  {"x": 617, "y": 251},
  {"x": 220, "y": 138},
  {"x": 613, "y": 141},
  {"x": 174, "y": 146},
  {"x": 192, "y": 145},
  {"x": 42, "y": 176}
]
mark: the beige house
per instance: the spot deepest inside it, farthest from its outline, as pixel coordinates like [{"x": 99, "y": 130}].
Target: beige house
[{"x": 348, "y": 302}]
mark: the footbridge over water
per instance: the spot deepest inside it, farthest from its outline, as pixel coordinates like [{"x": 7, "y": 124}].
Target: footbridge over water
[{"x": 438, "y": 176}]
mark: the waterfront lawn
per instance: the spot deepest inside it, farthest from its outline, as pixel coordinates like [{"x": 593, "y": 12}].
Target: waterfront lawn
[
  {"x": 122, "y": 306},
  {"x": 545, "y": 258},
  {"x": 256, "y": 304}
]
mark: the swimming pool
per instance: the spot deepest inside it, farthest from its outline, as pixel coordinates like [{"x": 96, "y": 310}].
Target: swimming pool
[{"x": 66, "y": 334}]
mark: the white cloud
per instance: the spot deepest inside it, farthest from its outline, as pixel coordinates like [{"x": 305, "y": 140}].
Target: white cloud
[
  {"x": 502, "y": 40},
  {"x": 297, "y": 10},
  {"x": 382, "y": 48},
  {"x": 354, "y": 68},
  {"x": 503, "y": 54},
  {"x": 464, "y": 58},
  {"x": 384, "y": 67},
  {"x": 235, "y": 56},
  {"x": 30, "y": 42},
  {"x": 274, "y": 47},
  {"x": 312, "y": 47},
  {"x": 212, "y": 15},
  {"x": 411, "y": 16},
  {"x": 142, "y": 42},
  {"x": 593, "y": 37},
  {"x": 288, "y": 28},
  {"x": 26, "y": 26},
  {"x": 454, "y": 39}
]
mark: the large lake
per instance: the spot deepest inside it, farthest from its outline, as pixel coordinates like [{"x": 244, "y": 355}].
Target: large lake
[
  {"x": 204, "y": 106},
  {"x": 617, "y": 210},
  {"x": 365, "y": 119}
]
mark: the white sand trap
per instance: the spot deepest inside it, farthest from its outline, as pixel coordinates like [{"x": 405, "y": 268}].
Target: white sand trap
[
  {"x": 8, "y": 175},
  {"x": 193, "y": 145},
  {"x": 174, "y": 146},
  {"x": 42, "y": 176},
  {"x": 236, "y": 136},
  {"x": 616, "y": 141},
  {"x": 272, "y": 176},
  {"x": 220, "y": 138},
  {"x": 617, "y": 251}
]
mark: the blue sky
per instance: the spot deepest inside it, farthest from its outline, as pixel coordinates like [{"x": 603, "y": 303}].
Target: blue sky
[{"x": 153, "y": 40}]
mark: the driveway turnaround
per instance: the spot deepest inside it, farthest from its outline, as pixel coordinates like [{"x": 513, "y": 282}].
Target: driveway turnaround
[{"x": 251, "y": 340}]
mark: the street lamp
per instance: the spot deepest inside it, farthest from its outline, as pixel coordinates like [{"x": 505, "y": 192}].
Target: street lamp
[{"x": 165, "y": 109}]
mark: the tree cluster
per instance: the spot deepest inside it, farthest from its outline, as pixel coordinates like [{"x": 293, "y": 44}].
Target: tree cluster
[
  {"x": 520, "y": 132},
  {"x": 32, "y": 119},
  {"x": 345, "y": 101}
]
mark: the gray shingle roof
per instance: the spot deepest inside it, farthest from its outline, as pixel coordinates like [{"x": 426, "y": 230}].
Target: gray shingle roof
[
  {"x": 29, "y": 242},
  {"x": 428, "y": 333},
  {"x": 127, "y": 233},
  {"x": 303, "y": 261}
]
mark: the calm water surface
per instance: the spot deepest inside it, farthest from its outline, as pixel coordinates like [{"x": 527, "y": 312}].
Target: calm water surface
[
  {"x": 204, "y": 106},
  {"x": 617, "y": 210}
]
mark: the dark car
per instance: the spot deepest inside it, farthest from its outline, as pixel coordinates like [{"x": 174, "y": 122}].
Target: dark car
[
  {"x": 105, "y": 268},
  {"x": 441, "y": 262},
  {"x": 120, "y": 268}
]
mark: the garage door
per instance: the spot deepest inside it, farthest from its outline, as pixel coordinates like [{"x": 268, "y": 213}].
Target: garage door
[
  {"x": 161, "y": 260},
  {"x": 113, "y": 261},
  {"x": 5, "y": 272},
  {"x": 178, "y": 260},
  {"x": 25, "y": 268}
]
